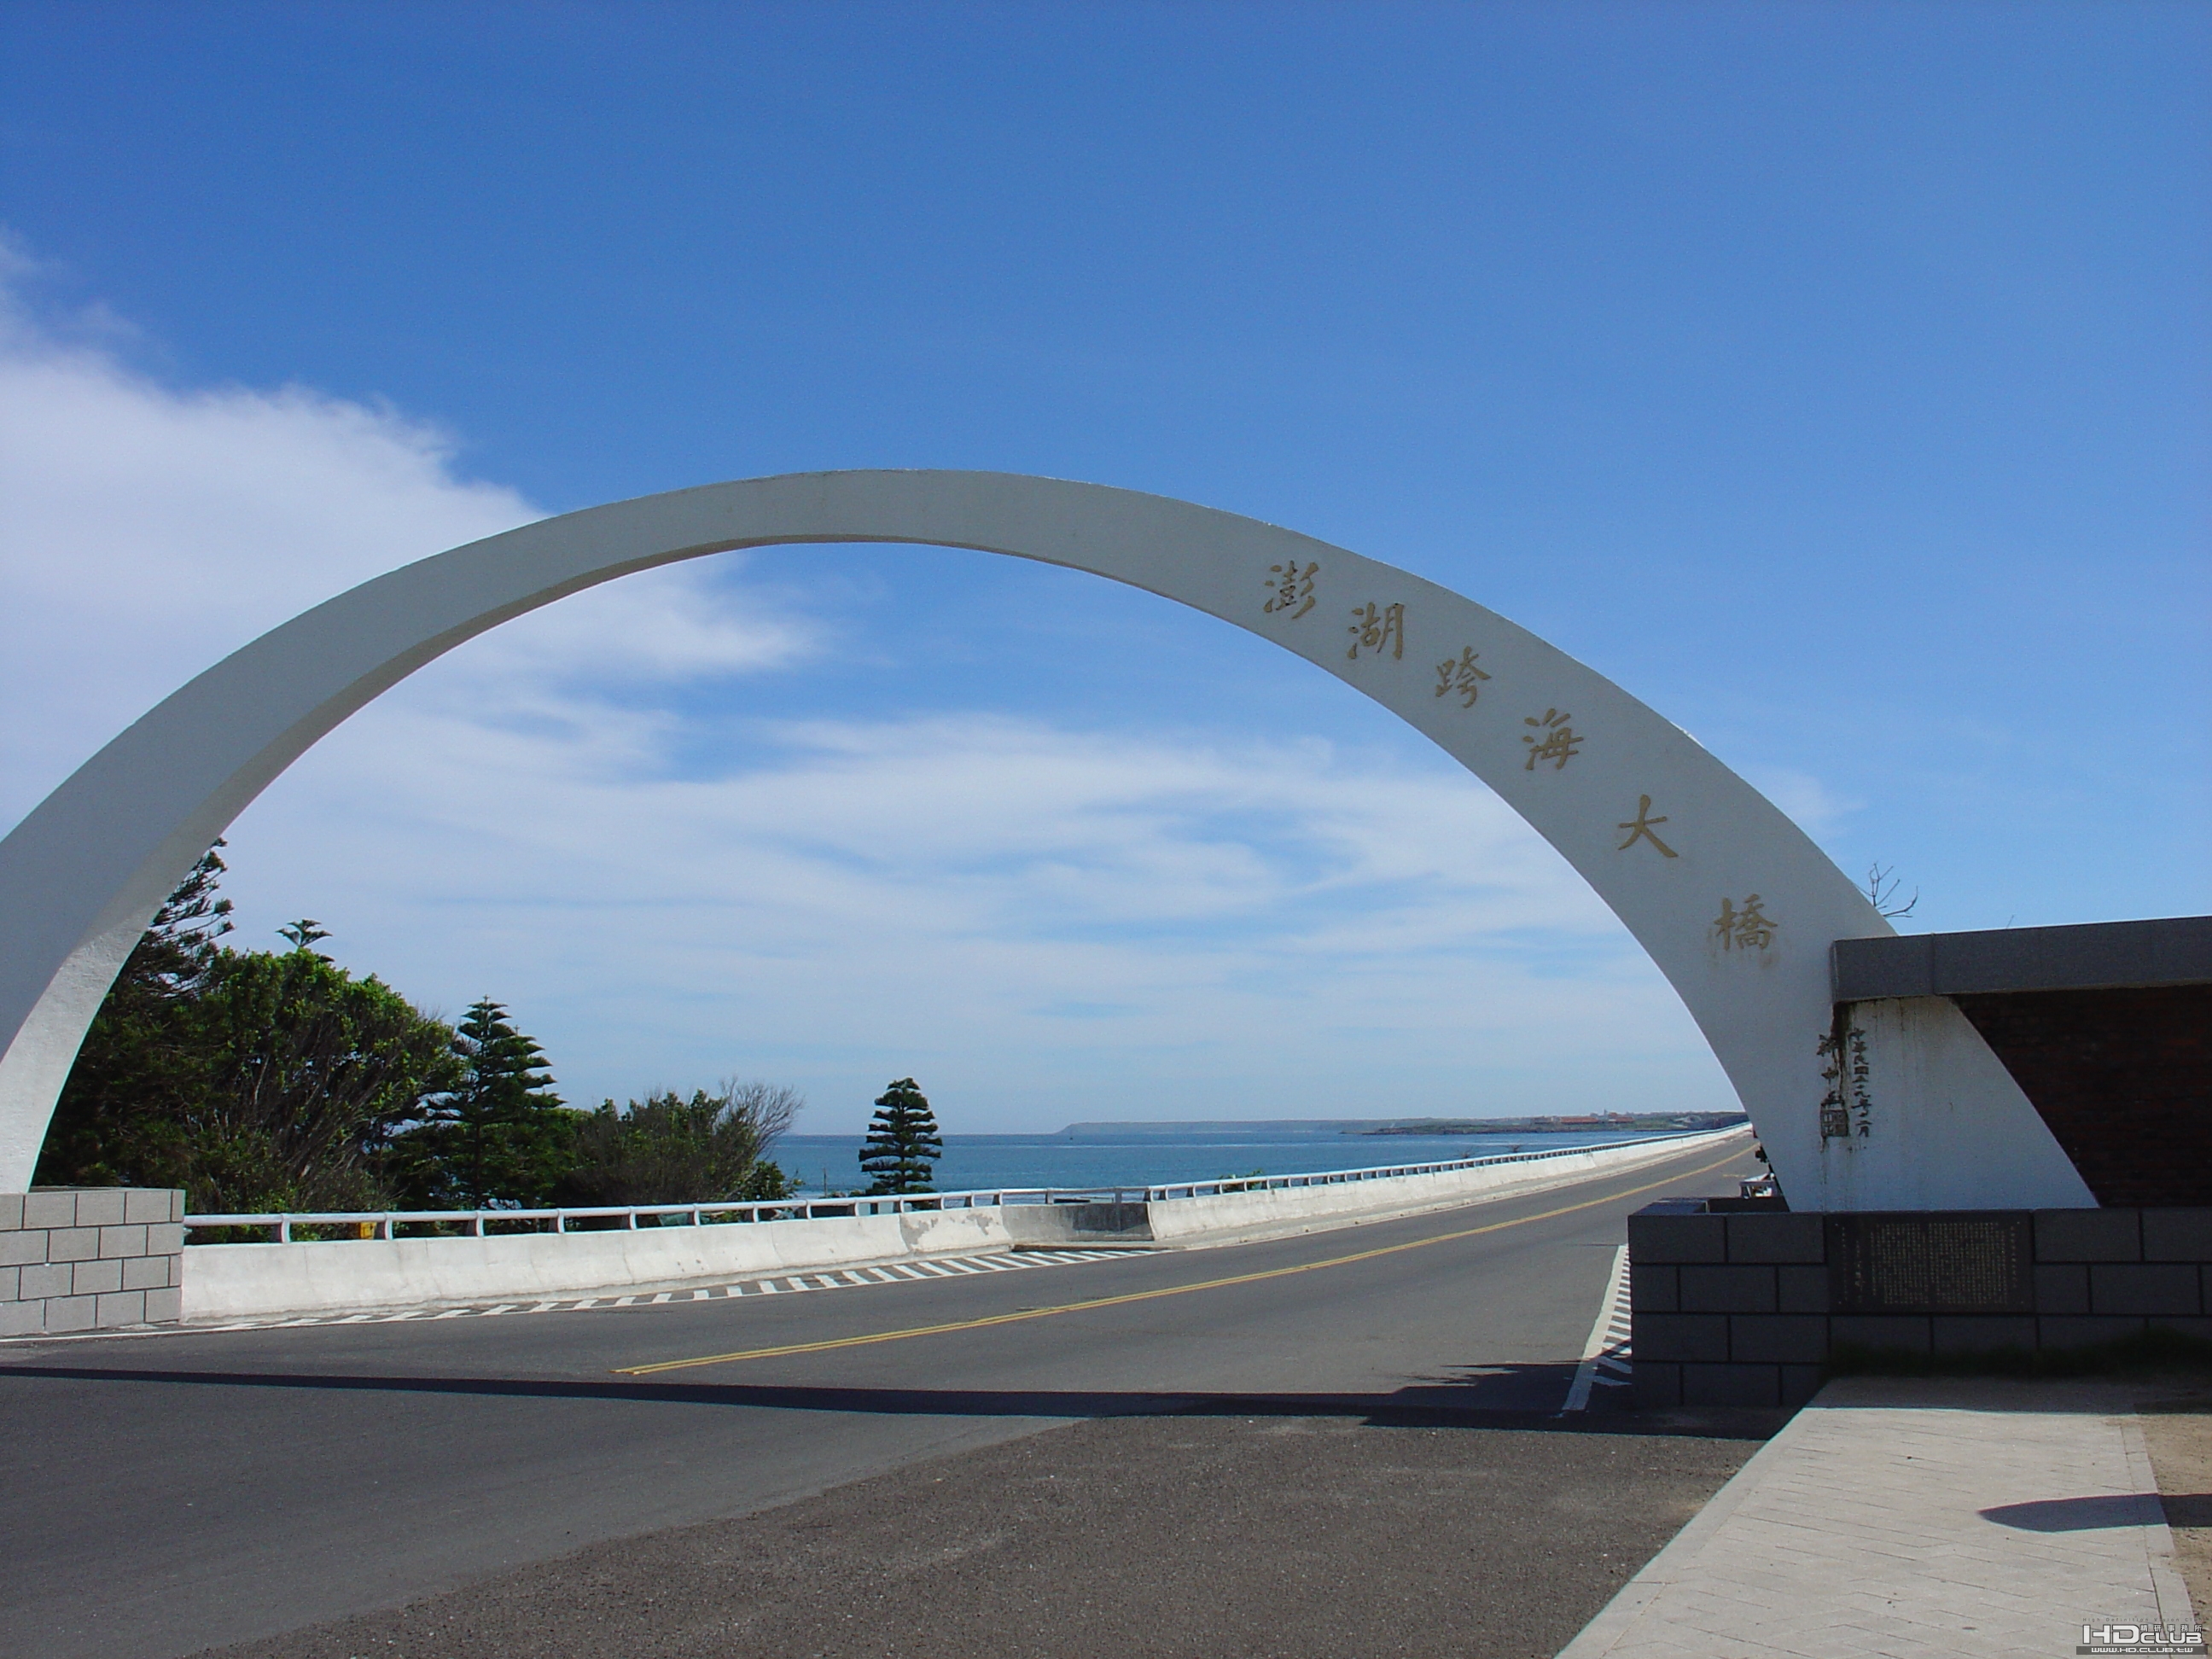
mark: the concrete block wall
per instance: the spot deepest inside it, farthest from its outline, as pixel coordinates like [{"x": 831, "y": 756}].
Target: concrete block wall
[
  {"x": 1745, "y": 1307},
  {"x": 88, "y": 1258}
]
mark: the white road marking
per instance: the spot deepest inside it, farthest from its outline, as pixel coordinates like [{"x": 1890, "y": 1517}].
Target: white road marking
[{"x": 1608, "y": 1339}]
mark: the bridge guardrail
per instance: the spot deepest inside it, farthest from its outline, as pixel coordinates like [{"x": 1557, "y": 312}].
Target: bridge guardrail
[{"x": 383, "y": 1224}]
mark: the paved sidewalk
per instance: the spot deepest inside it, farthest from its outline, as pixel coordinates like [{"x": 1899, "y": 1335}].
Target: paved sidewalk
[{"x": 1897, "y": 1517}]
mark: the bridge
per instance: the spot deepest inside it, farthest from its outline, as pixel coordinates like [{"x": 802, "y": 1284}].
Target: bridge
[
  {"x": 276, "y": 1482},
  {"x": 269, "y": 1483}
]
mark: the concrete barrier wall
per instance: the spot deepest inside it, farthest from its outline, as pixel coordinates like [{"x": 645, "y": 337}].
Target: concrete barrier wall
[
  {"x": 1285, "y": 1211},
  {"x": 1049, "y": 1226},
  {"x": 240, "y": 1281},
  {"x": 243, "y": 1281}
]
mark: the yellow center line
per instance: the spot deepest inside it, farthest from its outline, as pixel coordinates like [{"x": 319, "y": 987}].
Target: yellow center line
[{"x": 1147, "y": 1296}]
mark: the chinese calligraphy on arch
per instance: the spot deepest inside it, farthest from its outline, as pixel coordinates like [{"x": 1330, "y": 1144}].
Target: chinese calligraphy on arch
[
  {"x": 1460, "y": 674},
  {"x": 1553, "y": 740},
  {"x": 1291, "y": 588},
  {"x": 1639, "y": 828},
  {"x": 1747, "y": 930},
  {"x": 1377, "y": 630}
]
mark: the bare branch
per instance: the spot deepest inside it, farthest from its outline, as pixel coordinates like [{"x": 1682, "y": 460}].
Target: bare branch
[{"x": 1881, "y": 886}]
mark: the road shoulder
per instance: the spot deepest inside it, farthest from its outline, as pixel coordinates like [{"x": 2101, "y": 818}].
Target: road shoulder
[{"x": 1272, "y": 1537}]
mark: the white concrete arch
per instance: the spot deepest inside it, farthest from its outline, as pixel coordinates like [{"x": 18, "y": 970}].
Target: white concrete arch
[{"x": 1733, "y": 902}]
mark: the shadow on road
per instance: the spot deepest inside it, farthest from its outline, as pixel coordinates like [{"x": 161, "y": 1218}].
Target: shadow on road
[{"x": 1485, "y": 1396}]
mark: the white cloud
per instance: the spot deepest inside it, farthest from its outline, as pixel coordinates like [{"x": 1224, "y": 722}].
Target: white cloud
[
  {"x": 149, "y": 531},
  {"x": 1046, "y": 924},
  {"x": 1816, "y": 808},
  {"x": 1053, "y": 925}
]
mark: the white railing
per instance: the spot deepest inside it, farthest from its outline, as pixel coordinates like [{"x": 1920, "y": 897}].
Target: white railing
[{"x": 381, "y": 1223}]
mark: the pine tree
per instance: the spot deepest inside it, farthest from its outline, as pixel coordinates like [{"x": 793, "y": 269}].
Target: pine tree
[
  {"x": 500, "y": 1137},
  {"x": 903, "y": 1142},
  {"x": 138, "y": 1073}
]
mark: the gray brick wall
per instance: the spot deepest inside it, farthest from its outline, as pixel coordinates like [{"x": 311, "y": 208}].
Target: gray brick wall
[
  {"x": 90, "y": 1258},
  {"x": 1739, "y": 1308}
]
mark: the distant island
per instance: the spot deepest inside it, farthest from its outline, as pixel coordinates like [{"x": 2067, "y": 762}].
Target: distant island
[
  {"x": 1242, "y": 1126},
  {"x": 1609, "y": 1122},
  {"x": 1588, "y": 1123}
]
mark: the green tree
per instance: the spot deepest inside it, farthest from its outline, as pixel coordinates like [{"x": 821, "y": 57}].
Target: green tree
[
  {"x": 255, "y": 1081},
  {"x": 902, "y": 1146},
  {"x": 310, "y": 1073},
  {"x": 667, "y": 1150},
  {"x": 499, "y": 1137},
  {"x": 120, "y": 1120}
]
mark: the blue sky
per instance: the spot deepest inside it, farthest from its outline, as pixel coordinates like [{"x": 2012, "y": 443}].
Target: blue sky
[{"x": 1836, "y": 378}]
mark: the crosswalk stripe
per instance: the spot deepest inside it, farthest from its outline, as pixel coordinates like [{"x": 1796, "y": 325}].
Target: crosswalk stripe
[{"x": 1607, "y": 1343}]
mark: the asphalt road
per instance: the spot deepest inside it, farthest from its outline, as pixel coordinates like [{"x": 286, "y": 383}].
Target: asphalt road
[{"x": 178, "y": 1491}]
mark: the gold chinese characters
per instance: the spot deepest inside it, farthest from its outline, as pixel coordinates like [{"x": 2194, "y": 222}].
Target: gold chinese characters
[
  {"x": 1375, "y": 629},
  {"x": 1748, "y": 929},
  {"x": 1553, "y": 740},
  {"x": 1639, "y": 828},
  {"x": 1461, "y": 675},
  {"x": 1291, "y": 588}
]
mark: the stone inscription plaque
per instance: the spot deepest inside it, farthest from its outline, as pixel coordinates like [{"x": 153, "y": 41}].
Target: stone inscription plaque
[{"x": 1962, "y": 1263}]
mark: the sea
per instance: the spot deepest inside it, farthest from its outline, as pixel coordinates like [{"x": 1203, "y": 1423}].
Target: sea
[{"x": 826, "y": 1163}]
